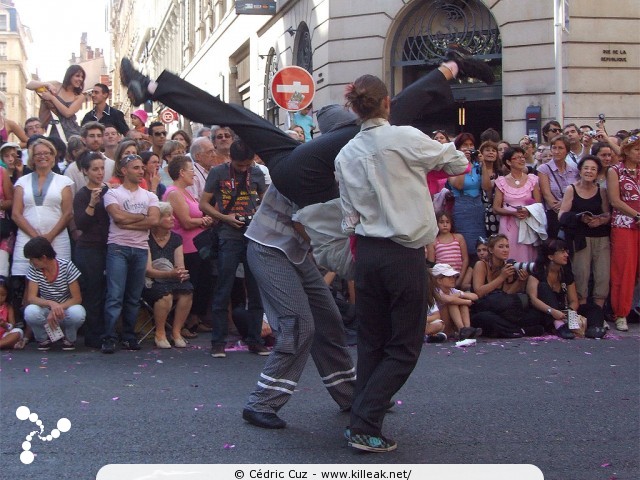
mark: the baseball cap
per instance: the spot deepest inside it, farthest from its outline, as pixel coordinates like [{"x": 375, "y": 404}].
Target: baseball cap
[
  {"x": 9, "y": 145},
  {"x": 443, "y": 270}
]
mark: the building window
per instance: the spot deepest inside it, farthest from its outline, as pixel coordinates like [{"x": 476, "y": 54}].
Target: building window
[
  {"x": 3, "y": 50},
  {"x": 4, "y": 23},
  {"x": 3, "y": 81}
]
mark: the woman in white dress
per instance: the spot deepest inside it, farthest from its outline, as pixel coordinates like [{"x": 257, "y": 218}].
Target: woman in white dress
[{"x": 42, "y": 206}]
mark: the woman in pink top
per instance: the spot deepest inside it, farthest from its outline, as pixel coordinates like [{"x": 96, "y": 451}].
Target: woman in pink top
[{"x": 190, "y": 221}]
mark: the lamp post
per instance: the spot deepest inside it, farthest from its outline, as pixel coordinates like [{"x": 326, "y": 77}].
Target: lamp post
[{"x": 559, "y": 18}]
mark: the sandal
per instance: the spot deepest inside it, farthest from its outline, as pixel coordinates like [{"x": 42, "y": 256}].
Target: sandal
[{"x": 186, "y": 333}]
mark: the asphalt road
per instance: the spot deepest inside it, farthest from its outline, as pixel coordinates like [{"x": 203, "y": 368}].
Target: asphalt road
[{"x": 569, "y": 407}]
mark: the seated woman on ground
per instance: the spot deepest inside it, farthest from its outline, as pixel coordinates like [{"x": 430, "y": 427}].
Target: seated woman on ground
[
  {"x": 169, "y": 281},
  {"x": 499, "y": 310},
  {"x": 53, "y": 295},
  {"x": 482, "y": 252},
  {"x": 454, "y": 304},
  {"x": 552, "y": 293}
]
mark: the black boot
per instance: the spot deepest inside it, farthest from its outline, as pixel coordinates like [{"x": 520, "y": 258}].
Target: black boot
[
  {"x": 467, "y": 66},
  {"x": 135, "y": 81}
]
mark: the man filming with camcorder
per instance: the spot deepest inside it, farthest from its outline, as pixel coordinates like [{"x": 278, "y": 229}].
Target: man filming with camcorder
[{"x": 231, "y": 196}]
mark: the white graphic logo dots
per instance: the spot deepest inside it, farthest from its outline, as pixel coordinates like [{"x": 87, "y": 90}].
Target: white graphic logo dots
[{"x": 23, "y": 413}]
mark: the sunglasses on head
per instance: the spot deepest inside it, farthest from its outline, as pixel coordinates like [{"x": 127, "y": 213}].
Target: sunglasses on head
[{"x": 129, "y": 158}]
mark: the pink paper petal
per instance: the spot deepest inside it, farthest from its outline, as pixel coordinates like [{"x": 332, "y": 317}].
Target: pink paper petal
[
  {"x": 605, "y": 465},
  {"x": 228, "y": 446},
  {"x": 115, "y": 398},
  {"x": 26, "y": 370},
  {"x": 83, "y": 401}
]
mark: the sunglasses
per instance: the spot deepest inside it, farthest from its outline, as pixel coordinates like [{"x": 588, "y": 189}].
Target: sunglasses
[
  {"x": 159, "y": 134},
  {"x": 129, "y": 158},
  {"x": 221, "y": 136},
  {"x": 555, "y": 130}
]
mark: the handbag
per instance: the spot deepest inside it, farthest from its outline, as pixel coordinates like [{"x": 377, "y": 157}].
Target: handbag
[{"x": 576, "y": 323}]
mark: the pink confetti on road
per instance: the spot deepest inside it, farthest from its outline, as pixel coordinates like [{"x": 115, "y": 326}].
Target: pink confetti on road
[
  {"x": 26, "y": 370},
  {"x": 83, "y": 401},
  {"x": 115, "y": 398},
  {"x": 587, "y": 353},
  {"x": 605, "y": 465},
  {"x": 228, "y": 446},
  {"x": 399, "y": 402}
]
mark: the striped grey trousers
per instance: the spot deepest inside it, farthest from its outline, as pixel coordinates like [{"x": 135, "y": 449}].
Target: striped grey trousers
[{"x": 305, "y": 319}]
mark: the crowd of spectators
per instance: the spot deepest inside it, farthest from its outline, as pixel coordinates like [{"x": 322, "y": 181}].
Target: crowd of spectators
[{"x": 529, "y": 235}]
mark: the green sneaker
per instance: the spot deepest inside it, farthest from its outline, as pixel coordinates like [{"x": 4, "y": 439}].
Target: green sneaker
[{"x": 371, "y": 443}]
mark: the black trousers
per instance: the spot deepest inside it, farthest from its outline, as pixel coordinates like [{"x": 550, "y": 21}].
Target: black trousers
[
  {"x": 301, "y": 172},
  {"x": 391, "y": 283}
]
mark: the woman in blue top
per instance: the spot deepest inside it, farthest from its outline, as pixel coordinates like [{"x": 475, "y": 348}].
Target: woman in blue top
[{"x": 468, "y": 211}]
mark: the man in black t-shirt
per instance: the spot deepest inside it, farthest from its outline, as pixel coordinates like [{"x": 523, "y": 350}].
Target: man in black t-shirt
[{"x": 231, "y": 195}]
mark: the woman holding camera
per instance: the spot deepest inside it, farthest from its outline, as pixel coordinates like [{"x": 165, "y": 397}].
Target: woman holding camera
[
  {"x": 552, "y": 293},
  {"x": 584, "y": 213},
  {"x": 468, "y": 211},
  {"x": 499, "y": 310},
  {"x": 514, "y": 192}
]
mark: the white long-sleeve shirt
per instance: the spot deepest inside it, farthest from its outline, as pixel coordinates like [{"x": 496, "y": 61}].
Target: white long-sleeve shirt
[{"x": 383, "y": 188}]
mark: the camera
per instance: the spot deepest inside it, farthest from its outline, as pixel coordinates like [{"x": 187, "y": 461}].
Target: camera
[
  {"x": 601, "y": 117},
  {"x": 528, "y": 267},
  {"x": 592, "y": 133},
  {"x": 246, "y": 219}
]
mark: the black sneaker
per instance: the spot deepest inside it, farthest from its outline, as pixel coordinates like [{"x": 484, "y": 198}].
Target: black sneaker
[
  {"x": 467, "y": 332},
  {"x": 564, "y": 332},
  {"x": 259, "y": 349},
  {"x": 217, "y": 351},
  {"x": 108, "y": 346},
  {"x": 467, "y": 66},
  {"x": 68, "y": 345},
  {"x": 371, "y": 443},
  {"x": 45, "y": 345},
  {"x": 131, "y": 344},
  {"x": 439, "y": 337},
  {"x": 135, "y": 81}
]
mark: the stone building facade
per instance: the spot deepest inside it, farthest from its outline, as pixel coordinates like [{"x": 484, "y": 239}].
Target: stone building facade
[
  {"x": 235, "y": 56},
  {"x": 14, "y": 38}
]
